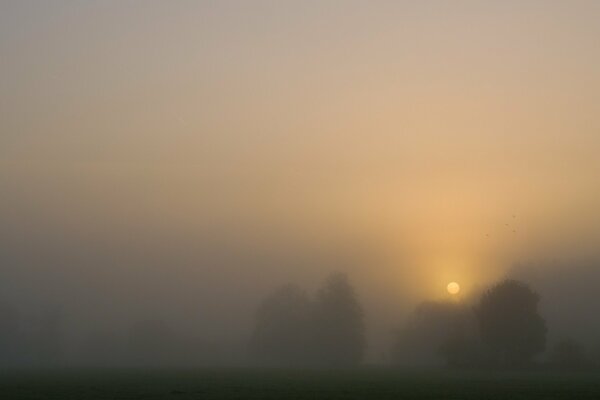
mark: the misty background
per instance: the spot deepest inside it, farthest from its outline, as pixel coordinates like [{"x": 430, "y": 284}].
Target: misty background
[{"x": 169, "y": 165}]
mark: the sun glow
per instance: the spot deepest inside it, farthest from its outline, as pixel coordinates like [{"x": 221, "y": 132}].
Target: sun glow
[{"x": 453, "y": 288}]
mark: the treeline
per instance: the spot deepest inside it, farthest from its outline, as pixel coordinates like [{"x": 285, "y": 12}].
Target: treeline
[
  {"x": 291, "y": 329},
  {"x": 43, "y": 340},
  {"x": 502, "y": 328}
]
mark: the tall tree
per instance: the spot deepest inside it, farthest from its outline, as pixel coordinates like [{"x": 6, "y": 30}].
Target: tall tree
[
  {"x": 339, "y": 325},
  {"x": 510, "y": 324},
  {"x": 283, "y": 327}
]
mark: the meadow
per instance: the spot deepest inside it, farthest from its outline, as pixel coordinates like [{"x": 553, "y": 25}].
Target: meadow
[{"x": 368, "y": 383}]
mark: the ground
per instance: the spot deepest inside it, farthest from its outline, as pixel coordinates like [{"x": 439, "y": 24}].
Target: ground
[{"x": 368, "y": 383}]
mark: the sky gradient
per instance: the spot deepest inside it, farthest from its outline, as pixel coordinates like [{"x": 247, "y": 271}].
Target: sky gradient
[{"x": 223, "y": 147}]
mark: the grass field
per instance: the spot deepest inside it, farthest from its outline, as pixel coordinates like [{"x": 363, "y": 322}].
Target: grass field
[{"x": 288, "y": 384}]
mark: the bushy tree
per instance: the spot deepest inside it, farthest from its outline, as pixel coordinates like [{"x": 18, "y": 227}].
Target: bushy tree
[
  {"x": 293, "y": 330},
  {"x": 283, "y": 327},
  {"x": 339, "y": 325},
  {"x": 510, "y": 324}
]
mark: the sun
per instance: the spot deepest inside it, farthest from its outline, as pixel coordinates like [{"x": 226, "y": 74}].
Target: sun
[{"x": 453, "y": 288}]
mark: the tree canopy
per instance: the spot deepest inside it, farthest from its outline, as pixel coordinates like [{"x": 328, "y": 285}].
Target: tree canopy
[
  {"x": 510, "y": 324},
  {"x": 293, "y": 329},
  {"x": 340, "y": 330}
]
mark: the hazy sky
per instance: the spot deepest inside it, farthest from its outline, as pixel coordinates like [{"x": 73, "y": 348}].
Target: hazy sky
[{"x": 439, "y": 140}]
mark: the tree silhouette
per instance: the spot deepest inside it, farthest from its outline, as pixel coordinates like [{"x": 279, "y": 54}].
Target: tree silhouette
[
  {"x": 283, "y": 327},
  {"x": 460, "y": 349},
  {"x": 436, "y": 331},
  {"x": 339, "y": 325},
  {"x": 509, "y": 323},
  {"x": 292, "y": 329}
]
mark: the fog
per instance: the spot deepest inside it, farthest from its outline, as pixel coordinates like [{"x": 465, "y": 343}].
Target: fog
[{"x": 164, "y": 168}]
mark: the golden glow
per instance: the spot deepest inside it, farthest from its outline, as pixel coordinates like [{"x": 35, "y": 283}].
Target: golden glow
[
  {"x": 453, "y": 288},
  {"x": 447, "y": 141}
]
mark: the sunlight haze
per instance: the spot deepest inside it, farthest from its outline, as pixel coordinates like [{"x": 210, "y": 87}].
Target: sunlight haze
[{"x": 182, "y": 158}]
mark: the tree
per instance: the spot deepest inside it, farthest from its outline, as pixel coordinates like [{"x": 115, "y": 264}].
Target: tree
[
  {"x": 509, "y": 323},
  {"x": 460, "y": 349},
  {"x": 436, "y": 331},
  {"x": 339, "y": 326},
  {"x": 283, "y": 327}
]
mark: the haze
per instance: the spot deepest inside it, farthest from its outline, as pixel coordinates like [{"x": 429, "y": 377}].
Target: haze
[{"x": 179, "y": 160}]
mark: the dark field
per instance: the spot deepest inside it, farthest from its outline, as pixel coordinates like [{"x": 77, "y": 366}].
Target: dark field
[{"x": 287, "y": 384}]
